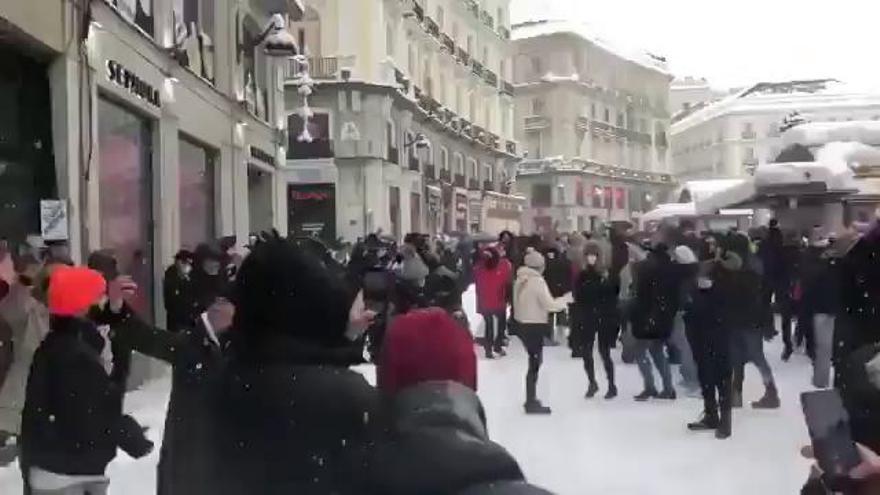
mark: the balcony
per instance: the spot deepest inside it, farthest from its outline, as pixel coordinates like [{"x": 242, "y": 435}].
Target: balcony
[
  {"x": 491, "y": 78},
  {"x": 432, "y": 28},
  {"x": 506, "y": 88},
  {"x": 448, "y": 43},
  {"x": 488, "y": 185},
  {"x": 463, "y": 56},
  {"x": 535, "y": 122},
  {"x": 473, "y": 184},
  {"x": 493, "y": 140},
  {"x": 465, "y": 127},
  {"x": 505, "y": 188},
  {"x": 503, "y": 32},
  {"x": 477, "y": 68},
  {"x": 319, "y": 148},
  {"x": 322, "y": 68},
  {"x": 749, "y": 135},
  {"x": 393, "y": 155},
  {"x": 402, "y": 81},
  {"x": 414, "y": 162},
  {"x": 487, "y": 19},
  {"x": 446, "y": 175},
  {"x": 510, "y": 147},
  {"x": 459, "y": 180},
  {"x": 430, "y": 171},
  {"x": 478, "y": 133}
]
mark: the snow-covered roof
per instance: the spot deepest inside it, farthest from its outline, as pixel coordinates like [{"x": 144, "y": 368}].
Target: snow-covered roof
[
  {"x": 819, "y": 133},
  {"x": 669, "y": 210},
  {"x": 534, "y": 29},
  {"x": 700, "y": 189},
  {"x": 785, "y": 97}
]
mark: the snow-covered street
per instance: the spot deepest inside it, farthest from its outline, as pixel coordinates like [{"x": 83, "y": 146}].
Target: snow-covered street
[{"x": 588, "y": 446}]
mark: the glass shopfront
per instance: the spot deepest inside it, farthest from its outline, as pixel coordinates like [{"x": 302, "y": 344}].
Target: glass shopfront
[
  {"x": 126, "y": 205},
  {"x": 311, "y": 211},
  {"x": 197, "y": 211}
]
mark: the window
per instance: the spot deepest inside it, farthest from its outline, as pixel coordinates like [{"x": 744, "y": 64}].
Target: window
[
  {"x": 560, "y": 194},
  {"x": 472, "y": 169},
  {"x": 537, "y": 67},
  {"x": 391, "y": 142},
  {"x": 537, "y": 106},
  {"x": 621, "y": 120},
  {"x": 255, "y": 70},
  {"x": 459, "y": 164},
  {"x": 542, "y": 195},
  {"x": 579, "y": 195},
  {"x": 620, "y": 198},
  {"x": 748, "y": 131},
  {"x": 319, "y": 129},
  {"x": 196, "y": 194},
  {"x": 487, "y": 172},
  {"x": 138, "y": 12},
  {"x": 444, "y": 159},
  {"x": 502, "y": 69},
  {"x": 499, "y": 14},
  {"x": 597, "y": 194},
  {"x": 749, "y": 153},
  {"x": 389, "y": 40},
  {"x": 193, "y": 24},
  {"x": 486, "y": 55},
  {"x": 533, "y": 144},
  {"x": 607, "y": 115},
  {"x": 592, "y": 110}
]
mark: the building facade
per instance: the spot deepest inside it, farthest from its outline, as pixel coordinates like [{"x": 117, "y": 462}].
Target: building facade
[
  {"x": 593, "y": 121},
  {"x": 731, "y": 137},
  {"x": 411, "y": 121},
  {"x": 687, "y": 93},
  {"x": 157, "y": 124}
]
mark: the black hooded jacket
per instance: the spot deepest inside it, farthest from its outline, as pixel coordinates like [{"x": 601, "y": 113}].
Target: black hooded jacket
[
  {"x": 657, "y": 296},
  {"x": 437, "y": 444}
]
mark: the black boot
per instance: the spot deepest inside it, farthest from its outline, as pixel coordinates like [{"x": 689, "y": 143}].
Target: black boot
[
  {"x": 489, "y": 354},
  {"x": 786, "y": 353},
  {"x": 668, "y": 394},
  {"x": 592, "y": 390},
  {"x": 500, "y": 351},
  {"x": 706, "y": 422},
  {"x": 770, "y": 399},
  {"x": 725, "y": 425},
  {"x": 535, "y": 407},
  {"x": 648, "y": 393},
  {"x": 612, "y": 392}
]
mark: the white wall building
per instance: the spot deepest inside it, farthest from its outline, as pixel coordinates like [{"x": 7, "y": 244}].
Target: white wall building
[
  {"x": 732, "y": 136},
  {"x": 689, "y": 92},
  {"x": 387, "y": 72}
]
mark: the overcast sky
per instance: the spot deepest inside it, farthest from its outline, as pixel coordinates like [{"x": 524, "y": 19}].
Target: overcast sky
[{"x": 736, "y": 42}]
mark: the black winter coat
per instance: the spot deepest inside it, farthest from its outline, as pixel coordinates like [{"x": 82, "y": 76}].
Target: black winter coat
[
  {"x": 290, "y": 418},
  {"x": 557, "y": 273},
  {"x": 197, "y": 366},
  {"x": 180, "y": 300},
  {"x": 437, "y": 444},
  {"x": 656, "y": 297},
  {"x": 860, "y": 290},
  {"x": 595, "y": 298},
  {"x": 819, "y": 284},
  {"x": 740, "y": 292},
  {"x": 72, "y": 422}
]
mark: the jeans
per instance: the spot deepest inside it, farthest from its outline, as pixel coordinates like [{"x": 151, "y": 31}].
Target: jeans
[
  {"x": 494, "y": 341},
  {"x": 532, "y": 336},
  {"x": 823, "y": 331},
  {"x": 656, "y": 348},
  {"x": 747, "y": 346},
  {"x": 588, "y": 340},
  {"x": 688, "y": 368}
]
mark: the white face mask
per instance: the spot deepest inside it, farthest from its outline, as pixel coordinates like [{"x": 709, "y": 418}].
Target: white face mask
[
  {"x": 592, "y": 259},
  {"x": 704, "y": 283},
  {"x": 185, "y": 268}
]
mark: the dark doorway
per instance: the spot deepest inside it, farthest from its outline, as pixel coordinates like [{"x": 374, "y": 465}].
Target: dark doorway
[{"x": 311, "y": 210}]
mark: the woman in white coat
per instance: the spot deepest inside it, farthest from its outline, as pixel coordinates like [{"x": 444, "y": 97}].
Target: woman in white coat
[{"x": 533, "y": 304}]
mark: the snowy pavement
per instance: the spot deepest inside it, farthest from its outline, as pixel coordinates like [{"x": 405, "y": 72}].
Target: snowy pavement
[{"x": 587, "y": 446}]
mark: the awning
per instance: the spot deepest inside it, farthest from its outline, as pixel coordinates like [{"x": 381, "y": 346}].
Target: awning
[{"x": 669, "y": 210}]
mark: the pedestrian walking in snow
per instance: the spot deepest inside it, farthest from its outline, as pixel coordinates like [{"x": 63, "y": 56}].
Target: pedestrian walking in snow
[
  {"x": 492, "y": 275},
  {"x": 686, "y": 264},
  {"x": 595, "y": 302},
  {"x": 436, "y": 441},
  {"x": 709, "y": 341},
  {"x": 741, "y": 294},
  {"x": 178, "y": 293},
  {"x": 72, "y": 421},
  {"x": 209, "y": 279},
  {"x": 820, "y": 300},
  {"x": 653, "y": 313},
  {"x": 532, "y": 309},
  {"x": 291, "y": 416}
]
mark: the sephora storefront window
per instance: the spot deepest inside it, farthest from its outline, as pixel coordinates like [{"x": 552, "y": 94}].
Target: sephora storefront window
[
  {"x": 126, "y": 205},
  {"x": 197, "y": 223}
]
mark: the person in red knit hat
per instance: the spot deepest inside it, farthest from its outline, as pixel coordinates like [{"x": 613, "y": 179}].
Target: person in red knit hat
[
  {"x": 72, "y": 422},
  {"x": 436, "y": 440}
]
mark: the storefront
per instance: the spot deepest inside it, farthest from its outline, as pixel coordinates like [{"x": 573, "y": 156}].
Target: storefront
[{"x": 312, "y": 211}]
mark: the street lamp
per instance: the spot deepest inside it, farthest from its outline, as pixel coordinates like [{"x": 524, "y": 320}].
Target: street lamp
[{"x": 304, "y": 83}]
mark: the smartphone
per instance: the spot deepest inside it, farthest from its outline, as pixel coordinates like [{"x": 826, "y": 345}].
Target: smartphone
[{"x": 833, "y": 445}]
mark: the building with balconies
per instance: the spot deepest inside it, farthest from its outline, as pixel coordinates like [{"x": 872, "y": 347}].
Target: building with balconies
[
  {"x": 593, "y": 121},
  {"x": 415, "y": 102},
  {"x": 731, "y": 136}
]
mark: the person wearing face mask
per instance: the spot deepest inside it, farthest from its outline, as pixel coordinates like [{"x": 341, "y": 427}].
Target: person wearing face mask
[
  {"x": 208, "y": 277},
  {"x": 595, "y": 296},
  {"x": 533, "y": 305},
  {"x": 710, "y": 343},
  {"x": 178, "y": 293}
]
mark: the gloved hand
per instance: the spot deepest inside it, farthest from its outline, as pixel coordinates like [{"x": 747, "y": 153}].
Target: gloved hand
[{"x": 132, "y": 438}]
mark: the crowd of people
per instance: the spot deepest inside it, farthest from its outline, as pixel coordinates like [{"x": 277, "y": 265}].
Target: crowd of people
[{"x": 259, "y": 339}]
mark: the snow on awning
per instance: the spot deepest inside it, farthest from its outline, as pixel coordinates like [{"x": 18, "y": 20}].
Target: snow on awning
[
  {"x": 820, "y": 133},
  {"x": 669, "y": 210},
  {"x": 696, "y": 190},
  {"x": 734, "y": 195}
]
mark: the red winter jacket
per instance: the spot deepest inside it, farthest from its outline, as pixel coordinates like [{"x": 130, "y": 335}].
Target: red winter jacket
[{"x": 492, "y": 286}]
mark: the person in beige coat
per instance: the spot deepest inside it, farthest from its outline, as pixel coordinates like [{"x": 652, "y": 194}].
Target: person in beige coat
[
  {"x": 533, "y": 304},
  {"x": 29, "y": 322}
]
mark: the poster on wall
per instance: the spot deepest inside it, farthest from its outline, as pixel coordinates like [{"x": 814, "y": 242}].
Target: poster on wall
[
  {"x": 311, "y": 211},
  {"x": 53, "y": 220}
]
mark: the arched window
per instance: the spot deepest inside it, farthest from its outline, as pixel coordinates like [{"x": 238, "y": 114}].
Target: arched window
[
  {"x": 444, "y": 159},
  {"x": 459, "y": 164},
  {"x": 391, "y": 141}
]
